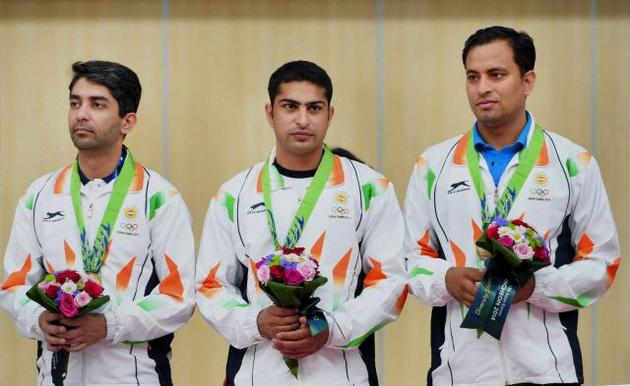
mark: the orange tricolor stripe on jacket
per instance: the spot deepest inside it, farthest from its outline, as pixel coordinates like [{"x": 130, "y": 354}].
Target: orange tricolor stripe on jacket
[
  {"x": 210, "y": 285},
  {"x": 18, "y": 278},
  {"x": 339, "y": 271},
  {"x": 336, "y": 175},
  {"x": 317, "y": 248},
  {"x": 425, "y": 245},
  {"x": 69, "y": 253},
  {"x": 123, "y": 277},
  {"x": 611, "y": 270},
  {"x": 459, "y": 158},
  {"x": 375, "y": 275},
  {"x": 138, "y": 178},
  {"x": 460, "y": 257},
  {"x": 585, "y": 248},
  {"x": 172, "y": 284},
  {"x": 252, "y": 266},
  {"x": 62, "y": 180}
]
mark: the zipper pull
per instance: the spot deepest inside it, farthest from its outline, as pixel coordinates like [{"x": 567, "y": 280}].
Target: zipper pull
[
  {"x": 496, "y": 195},
  {"x": 91, "y": 210}
]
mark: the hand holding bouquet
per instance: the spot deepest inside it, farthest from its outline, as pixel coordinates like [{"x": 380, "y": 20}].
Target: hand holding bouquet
[
  {"x": 71, "y": 294},
  {"x": 512, "y": 251},
  {"x": 290, "y": 277}
]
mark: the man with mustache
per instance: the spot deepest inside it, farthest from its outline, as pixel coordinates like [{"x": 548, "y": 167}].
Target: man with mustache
[
  {"x": 355, "y": 231},
  {"x": 560, "y": 194},
  {"x": 123, "y": 225}
]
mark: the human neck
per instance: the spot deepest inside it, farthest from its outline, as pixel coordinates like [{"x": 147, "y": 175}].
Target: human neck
[
  {"x": 99, "y": 163},
  {"x": 300, "y": 162},
  {"x": 500, "y": 136}
]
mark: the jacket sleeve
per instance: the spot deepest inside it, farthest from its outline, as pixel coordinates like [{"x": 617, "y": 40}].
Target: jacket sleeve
[
  {"x": 220, "y": 275},
  {"x": 426, "y": 270},
  {"x": 594, "y": 240},
  {"x": 170, "y": 304},
  {"x": 385, "y": 291},
  {"x": 22, "y": 268}
]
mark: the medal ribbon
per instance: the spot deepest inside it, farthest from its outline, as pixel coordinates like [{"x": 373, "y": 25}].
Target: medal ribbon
[
  {"x": 527, "y": 157},
  {"x": 93, "y": 256},
  {"x": 304, "y": 211}
]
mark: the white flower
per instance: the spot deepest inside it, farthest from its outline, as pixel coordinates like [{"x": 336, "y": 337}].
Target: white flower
[{"x": 69, "y": 287}]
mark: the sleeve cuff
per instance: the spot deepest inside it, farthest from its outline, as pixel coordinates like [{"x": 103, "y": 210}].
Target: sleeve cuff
[
  {"x": 110, "y": 321},
  {"x": 544, "y": 277}
]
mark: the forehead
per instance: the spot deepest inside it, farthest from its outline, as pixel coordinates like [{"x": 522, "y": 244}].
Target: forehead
[
  {"x": 85, "y": 88},
  {"x": 301, "y": 91},
  {"x": 494, "y": 54}
]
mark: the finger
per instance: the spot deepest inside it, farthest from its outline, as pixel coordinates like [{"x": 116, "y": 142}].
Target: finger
[
  {"x": 289, "y": 347},
  {"x": 281, "y": 311},
  {"x": 52, "y": 340},
  {"x": 71, "y": 322},
  {"x": 296, "y": 335},
  {"x": 77, "y": 348},
  {"x": 52, "y": 329}
]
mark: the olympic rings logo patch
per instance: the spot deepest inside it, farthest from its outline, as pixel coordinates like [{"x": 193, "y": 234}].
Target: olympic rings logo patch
[
  {"x": 339, "y": 210},
  {"x": 540, "y": 192},
  {"x": 128, "y": 227}
]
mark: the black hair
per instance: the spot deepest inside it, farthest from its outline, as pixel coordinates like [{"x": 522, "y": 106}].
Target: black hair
[
  {"x": 296, "y": 71},
  {"x": 522, "y": 45},
  {"x": 121, "y": 82},
  {"x": 340, "y": 151}
]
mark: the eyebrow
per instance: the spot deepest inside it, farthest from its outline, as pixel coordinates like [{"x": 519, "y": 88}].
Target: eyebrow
[
  {"x": 93, "y": 98},
  {"x": 298, "y": 103}
]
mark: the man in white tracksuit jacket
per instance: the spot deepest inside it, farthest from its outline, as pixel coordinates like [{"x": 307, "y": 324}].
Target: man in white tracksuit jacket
[
  {"x": 147, "y": 268},
  {"x": 562, "y": 197},
  {"x": 355, "y": 231}
]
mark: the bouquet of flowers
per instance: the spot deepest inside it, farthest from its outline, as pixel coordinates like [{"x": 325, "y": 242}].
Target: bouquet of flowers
[
  {"x": 290, "y": 277},
  {"x": 72, "y": 295},
  {"x": 512, "y": 252}
]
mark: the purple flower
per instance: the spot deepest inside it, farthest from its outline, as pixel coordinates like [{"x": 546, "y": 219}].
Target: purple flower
[
  {"x": 500, "y": 222},
  {"x": 293, "y": 277}
]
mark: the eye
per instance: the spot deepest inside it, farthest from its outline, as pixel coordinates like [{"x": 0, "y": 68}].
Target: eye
[
  {"x": 289, "y": 106},
  {"x": 315, "y": 108},
  {"x": 497, "y": 74},
  {"x": 99, "y": 105},
  {"x": 472, "y": 77},
  {"x": 74, "y": 104}
]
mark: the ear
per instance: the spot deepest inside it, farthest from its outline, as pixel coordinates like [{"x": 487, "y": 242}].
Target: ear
[
  {"x": 269, "y": 114},
  {"x": 529, "y": 79},
  {"x": 331, "y": 112},
  {"x": 129, "y": 122}
]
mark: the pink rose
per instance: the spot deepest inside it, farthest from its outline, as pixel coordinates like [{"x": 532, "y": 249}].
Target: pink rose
[
  {"x": 93, "y": 289},
  {"x": 307, "y": 271},
  {"x": 82, "y": 299},
  {"x": 263, "y": 274},
  {"x": 523, "y": 251},
  {"x": 506, "y": 241},
  {"x": 293, "y": 277},
  {"x": 67, "y": 306},
  {"x": 492, "y": 232}
]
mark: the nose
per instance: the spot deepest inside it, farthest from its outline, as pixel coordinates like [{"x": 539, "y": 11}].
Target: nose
[
  {"x": 81, "y": 113},
  {"x": 302, "y": 117},
  {"x": 484, "y": 86}
]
